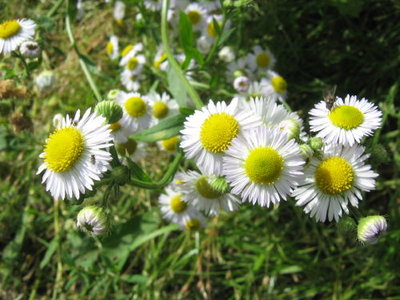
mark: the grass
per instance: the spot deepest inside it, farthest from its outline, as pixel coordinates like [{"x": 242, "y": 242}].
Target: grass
[{"x": 254, "y": 253}]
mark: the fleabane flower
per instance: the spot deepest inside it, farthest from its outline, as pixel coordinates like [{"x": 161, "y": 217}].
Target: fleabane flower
[
  {"x": 174, "y": 208},
  {"x": 133, "y": 149},
  {"x": 197, "y": 15},
  {"x": 260, "y": 59},
  {"x": 347, "y": 122},
  {"x": 209, "y": 132},
  {"x": 198, "y": 190},
  {"x": 194, "y": 223},
  {"x": 263, "y": 166},
  {"x": 162, "y": 106},
  {"x": 14, "y": 32},
  {"x": 133, "y": 61},
  {"x": 75, "y": 155},
  {"x": 170, "y": 145},
  {"x": 29, "y": 49},
  {"x": 112, "y": 48},
  {"x": 131, "y": 80},
  {"x": 333, "y": 181},
  {"x": 137, "y": 112},
  {"x": 275, "y": 86}
]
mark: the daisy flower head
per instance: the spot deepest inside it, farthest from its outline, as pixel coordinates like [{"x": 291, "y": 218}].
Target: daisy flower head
[
  {"x": 119, "y": 132},
  {"x": 130, "y": 80},
  {"x": 170, "y": 145},
  {"x": 260, "y": 59},
  {"x": 194, "y": 223},
  {"x": 133, "y": 61},
  {"x": 112, "y": 48},
  {"x": 75, "y": 155},
  {"x": 209, "y": 132},
  {"x": 275, "y": 86},
  {"x": 130, "y": 50},
  {"x": 334, "y": 180},
  {"x": 14, "y": 32},
  {"x": 347, "y": 122},
  {"x": 209, "y": 29},
  {"x": 119, "y": 12},
  {"x": 137, "y": 112},
  {"x": 263, "y": 166},
  {"x": 160, "y": 62},
  {"x": 197, "y": 15},
  {"x": 199, "y": 191},
  {"x": 133, "y": 149},
  {"x": 174, "y": 208},
  {"x": 162, "y": 106},
  {"x": 29, "y": 49}
]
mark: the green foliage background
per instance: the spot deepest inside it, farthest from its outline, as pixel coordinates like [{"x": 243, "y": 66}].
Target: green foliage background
[{"x": 254, "y": 253}]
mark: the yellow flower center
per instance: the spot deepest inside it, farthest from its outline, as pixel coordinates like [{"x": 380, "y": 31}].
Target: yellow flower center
[
  {"x": 194, "y": 16},
  {"x": 205, "y": 189},
  {"x": 334, "y": 175},
  {"x": 177, "y": 205},
  {"x": 132, "y": 63},
  {"x": 109, "y": 48},
  {"x": 63, "y": 149},
  {"x": 126, "y": 50},
  {"x": 211, "y": 29},
  {"x": 135, "y": 107},
  {"x": 279, "y": 84},
  {"x": 218, "y": 131},
  {"x": 170, "y": 144},
  {"x": 263, "y": 60},
  {"x": 346, "y": 117},
  {"x": 158, "y": 62},
  {"x": 127, "y": 148},
  {"x": 9, "y": 29},
  {"x": 263, "y": 165},
  {"x": 115, "y": 126},
  {"x": 160, "y": 110},
  {"x": 193, "y": 225}
]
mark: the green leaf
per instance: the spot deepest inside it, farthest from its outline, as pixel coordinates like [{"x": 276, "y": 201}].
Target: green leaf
[
  {"x": 175, "y": 87},
  {"x": 137, "y": 171},
  {"x": 166, "y": 129},
  {"x": 185, "y": 31},
  {"x": 51, "y": 249}
]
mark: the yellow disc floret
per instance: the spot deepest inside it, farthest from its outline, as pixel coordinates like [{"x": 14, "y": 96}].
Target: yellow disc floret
[
  {"x": 263, "y": 165},
  {"x": 263, "y": 60},
  {"x": 158, "y": 61},
  {"x": 132, "y": 63},
  {"x": 346, "y": 117},
  {"x": 194, "y": 16},
  {"x": 170, "y": 144},
  {"x": 109, "y": 48},
  {"x": 279, "y": 84},
  {"x": 211, "y": 30},
  {"x": 177, "y": 205},
  {"x": 115, "y": 126},
  {"x": 135, "y": 107},
  {"x": 63, "y": 149},
  {"x": 193, "y": 225},
  {"x": 205, "y": 189},
  {"x": 9, "y": 29},
  {"x": 126, "y": 50},
  {"x": 334, "y": 175},
  {"x": 160, "y": 110},
  {"x": 218, "y": 131}
]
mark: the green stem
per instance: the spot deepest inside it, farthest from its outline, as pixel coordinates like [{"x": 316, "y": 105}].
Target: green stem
[
  {"x": 171, "y": 59},
  {"x": 57, "y": 283},
  {"x": 22, "y": 59},
  {"x": 82, "y": 62},
  {"x": 216, "y": 43},
  {"x": 55, "y": 7},
  {"x": 173, "y": 167}
]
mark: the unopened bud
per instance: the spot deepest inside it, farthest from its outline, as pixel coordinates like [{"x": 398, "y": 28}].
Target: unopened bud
[
  {"x": 45, "y": 81},
  {"x": 29, "y": 49},
  {"x": 241, "y": 84},
  {"x": 306, "y": 151},
  {"x": 110, "y": 110},
  {"x": 371, "y": 228},
  {"x": 291, "y": 127},
  {"x": 226, "y": 54},
  {"x": 316, "y": 143},
  {"x": 112, "y": 94},
  {"x": 92, "y": 219},
  {"x": 120, "y": 175}
]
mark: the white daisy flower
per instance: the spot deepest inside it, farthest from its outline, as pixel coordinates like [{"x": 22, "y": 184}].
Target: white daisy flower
[
  {"x": 208, "y": 133},
  {"x": 131, "y": 50},
  {"x": 275, "y": 86},
  {"x": 209, "y": 29},
  {"x": 371, "y": 228},
  {"x": 194, "y": 223},
  {"x": 30, "y": 49},
  {"x": 153, "y": 5},
  {"x": 14, "y": 32},
  {"x": 130, "y": 80},
  {"x": 347, "y": 122},
  {"x": 160, "y": 62},
  {"x": 75, "y": 155},
  {"x": 133, "y": 61},
  {"x": 263, "y": 166},
  {"x": 197, "y": 15},
  {"x": 170, "y": 145},
  {"x": 119, "y": 11},
  {"x": 133, "y": 149},
  {"x": 334, "y": 180},
  {"x": 162, "y": 106},
  {"x": 174, "y": 208},
  {"x": 137, "y": 112},
  {"x": 260, "y": 59},
  {"x": 119, "y": 133},
  {"x": 112, "y": 48},
  {"x": 198, "y": 191}
]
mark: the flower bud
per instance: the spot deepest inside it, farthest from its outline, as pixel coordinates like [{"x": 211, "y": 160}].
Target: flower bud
[
  {"x": 45, "y": 81},
  {"x": 241, "y": 84},
  {"x": 316, "y": 143},
  {"x": 226, "y": 54},
  {"x": 110, "y": 110},
  {"x": 112, "y": 94},
  {"x": 92, "y": 219},
  {"x": 120, "y": 175},
  {"x": 29, "y": 49},
  {"x": 371, "y": 228},
  {"x": 291, "y": 127},
  {"x": 306, "y": 151}
]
